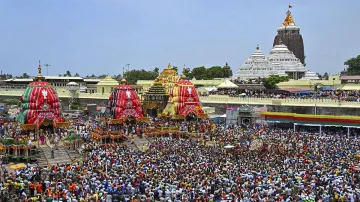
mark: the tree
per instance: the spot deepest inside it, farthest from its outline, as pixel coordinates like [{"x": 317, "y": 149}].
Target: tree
[
  {"x": 102, "y": 76},
  {"x": 68, "y": 73},
  {"x": 214, "y": 72},
  {"x": 353, "y": 66},
  {"x": 227, "y": 71},
  {"x": 198, "y": 72},
  {"x": 77, "y": 75},
  {"x": 326, "y": 76},
  {"x": 25, "y": 76},
  {"x": 175, "y": 68},
  {"x": 271, "y": 81},
  {"x": 187, "y": 73},
  {"x": 133, "y": 76},
  {"x": 156, "y": 70}
]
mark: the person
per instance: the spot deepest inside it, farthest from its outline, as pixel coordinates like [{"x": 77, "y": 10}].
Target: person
[
  {"x": 32, "y": 189},
  {"x": 52, "y": 152}
]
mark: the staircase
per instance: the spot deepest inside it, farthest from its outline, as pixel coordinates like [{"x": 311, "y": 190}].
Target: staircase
[
  {"x": 41, "y": 160},
  {"x": 138, "y": 143},
  {"x": 74, "y": 155},
  {"x": 60, "y": 154}
]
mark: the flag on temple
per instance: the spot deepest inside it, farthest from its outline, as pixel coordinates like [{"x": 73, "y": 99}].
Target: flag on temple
[{"x": 290, "y": 6}]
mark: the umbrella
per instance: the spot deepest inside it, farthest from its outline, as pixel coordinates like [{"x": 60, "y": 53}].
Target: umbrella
[
  {"x": 18, "y": 166},
  {"x": 229, "y": 146}
]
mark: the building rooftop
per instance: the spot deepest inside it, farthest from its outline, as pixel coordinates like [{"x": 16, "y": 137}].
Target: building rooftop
[
  {"x": 108, "y": 81},
  {"x": 346, "y": 77}
]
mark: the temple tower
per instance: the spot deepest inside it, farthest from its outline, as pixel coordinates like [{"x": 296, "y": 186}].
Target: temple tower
[{"x": 289, "y": 35}]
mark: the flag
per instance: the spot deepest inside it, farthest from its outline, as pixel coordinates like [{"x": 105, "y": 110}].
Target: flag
[{"x": 290, "y": 6}]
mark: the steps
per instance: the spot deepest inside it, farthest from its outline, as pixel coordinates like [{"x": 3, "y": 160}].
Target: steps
[
  {"x": 42, "y": 161},
  {"x": 61, "y": 156},
  {"x": 138, "y": 143},
  {"x": 74, "y": 155}
]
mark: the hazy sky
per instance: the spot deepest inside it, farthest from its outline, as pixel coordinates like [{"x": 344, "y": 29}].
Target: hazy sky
[{"x": 102, "y": 36}]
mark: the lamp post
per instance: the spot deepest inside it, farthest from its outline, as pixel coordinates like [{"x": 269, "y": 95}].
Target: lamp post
[{"x": 47, "y": 69}]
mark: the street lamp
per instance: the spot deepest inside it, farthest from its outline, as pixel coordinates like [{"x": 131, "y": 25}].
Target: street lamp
[{"x": 47, "y": 70}]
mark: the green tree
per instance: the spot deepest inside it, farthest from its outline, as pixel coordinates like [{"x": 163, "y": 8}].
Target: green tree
[
  {"x": 227, "y": 71},
  {"x": 187, "y": 73},
  {"x": 133, "y": 76},
  {"x": 271, "y": 81},
  {"x": 175, "y": 68},
  {"x": 353, "y": 66},
  {"x": 198, "y": 72},
  {"x": 24, "y": 76},
  {"x": 214, "y": 72},
  {"x": 68, "y": 73},
  {"x": 326, "y": 76},
  {"x": 102, "y": 76},
  {"x": 77, "y": 75},
  {"x": 156, "y": 70}
]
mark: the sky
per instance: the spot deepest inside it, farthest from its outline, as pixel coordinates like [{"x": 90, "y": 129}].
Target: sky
[{"x": 102, "y": 36}]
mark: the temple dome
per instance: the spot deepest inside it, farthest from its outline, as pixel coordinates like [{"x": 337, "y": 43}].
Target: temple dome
[
  {"x": 107, "y": 81},
  {"x": 40, "y": 104},
  {"x": 310, "y": 75},
  {"x": 280, "y": 61},
  {"x": 125, "y": 103},
  {"x": 184, "y": 100}
]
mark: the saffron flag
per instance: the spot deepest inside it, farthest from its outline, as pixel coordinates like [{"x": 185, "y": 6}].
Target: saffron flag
[{"x": 290, "y": 6}]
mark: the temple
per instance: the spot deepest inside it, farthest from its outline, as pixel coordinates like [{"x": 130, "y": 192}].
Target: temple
[
  {"x": 155, "y": 100},
  {"x": 280, "y": 61},
  {"x": 168, "y": 77},
  {"x": 310, "y": 75},
  {"x": 40, "y": 106},
  {"x": 184, "y": 101},
  {"x": 124, "y": 103},
  {"x": 289, "y": 34}
]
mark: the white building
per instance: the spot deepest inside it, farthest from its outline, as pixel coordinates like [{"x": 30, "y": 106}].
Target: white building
[
  {"x": 280, "y": 61},
  {"x": 310, "y": 75}
]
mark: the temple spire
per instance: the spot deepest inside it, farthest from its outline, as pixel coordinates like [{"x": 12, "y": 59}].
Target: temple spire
[
  {"x": 257, "y": 47},
  {"x": 289, "y": 20},
  {"x": 39, "y": 68},
  {"x": 169, "y": 66},
  {"x": 39, "y": 77}
]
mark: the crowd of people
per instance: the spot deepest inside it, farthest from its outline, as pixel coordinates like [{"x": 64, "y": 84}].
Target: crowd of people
[{"x": 258, "y": 164}]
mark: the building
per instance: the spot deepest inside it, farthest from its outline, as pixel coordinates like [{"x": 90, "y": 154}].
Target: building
[
  {"x": 106, "y": 85},
  {"x": 280, "y": 61},
  {"x": 57, "y": 82},
  {"x": 289, "y": 34},
  {"x": 310, "y": 75},
  {"x": 333, "y": 82}
]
